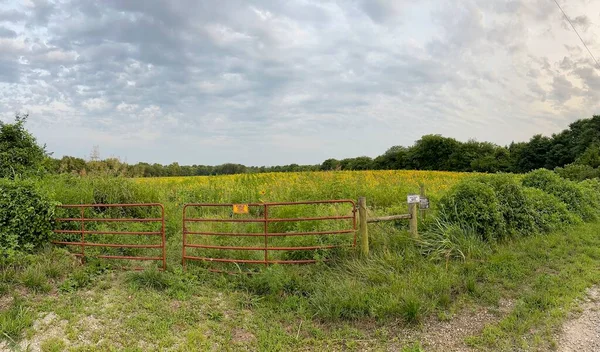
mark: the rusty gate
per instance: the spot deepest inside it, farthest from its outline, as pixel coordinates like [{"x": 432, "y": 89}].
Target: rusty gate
[
  {"x": 81, "y": 220},
  {"x": 267, "y": 231}
]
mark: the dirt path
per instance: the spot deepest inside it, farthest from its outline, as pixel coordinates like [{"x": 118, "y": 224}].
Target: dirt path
[{"x": 582, "y": 334}]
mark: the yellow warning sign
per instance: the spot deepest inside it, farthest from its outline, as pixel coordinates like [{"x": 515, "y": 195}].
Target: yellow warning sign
[{"x": 240, "y": 208}]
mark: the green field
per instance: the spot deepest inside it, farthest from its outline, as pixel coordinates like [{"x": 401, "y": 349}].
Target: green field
[
  {"x": 385, "y": 191},
  {"x": 505, "y": 293}
]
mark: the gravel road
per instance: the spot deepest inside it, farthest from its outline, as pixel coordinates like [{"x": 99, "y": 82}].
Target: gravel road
[{"x": 582, "y": 334}]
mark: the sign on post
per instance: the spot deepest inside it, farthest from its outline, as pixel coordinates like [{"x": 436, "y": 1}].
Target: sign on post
[
  {"x": 240, "y": 208},
  {"x": 413, "y": 198},
  {"x": 424, "y": 203}
]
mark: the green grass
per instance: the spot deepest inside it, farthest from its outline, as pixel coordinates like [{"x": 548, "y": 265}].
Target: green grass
[
  {"x": 35, "y": 279},
  {"x": 352, "y": 304},
  {"x": 150, "y": 279},
  {"x": 548, "y": 273},
  {"x": 349, "y": 303},
  {"x": 14, "y": 320},
  {"x": 53, "y": 345}
]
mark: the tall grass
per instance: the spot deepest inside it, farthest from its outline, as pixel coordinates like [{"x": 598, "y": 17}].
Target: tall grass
[{"x": 386, "y": 192}]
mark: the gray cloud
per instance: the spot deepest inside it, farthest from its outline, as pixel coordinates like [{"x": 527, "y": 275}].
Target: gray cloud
[
  {"x": 582, "y": 23},
  {"x": 264, "y": 82},
  {"x": 12, "y": 16},
  {"x": 40, "y": 12},
  {"x": 7, "y": 32}
]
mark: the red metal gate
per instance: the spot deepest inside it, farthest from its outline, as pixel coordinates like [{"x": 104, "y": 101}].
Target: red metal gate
[
  {"x": 81, "y": 221},
  {"x": 263, "y": 217}
]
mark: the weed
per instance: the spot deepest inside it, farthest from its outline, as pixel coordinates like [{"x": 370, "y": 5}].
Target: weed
[
  {"x": 53, "y": 345},
  {"x": 34, "y": 278},
  {"x": 215, "y": 316},
  {"x": 14, "y": 320},
  {"x": 4, "y": 288},
  {"x": 153, "y": 279},
  {"x": 411, "y": 309},
  {"x": 415, "y": 347},
  {"x": 471, "y": 285},
  {"x": 448, "y": 241},
  {"x": 82, "y": 276}
]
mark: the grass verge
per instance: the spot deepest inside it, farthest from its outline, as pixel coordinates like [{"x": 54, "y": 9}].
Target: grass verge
[{"x": 352, "y": 304}]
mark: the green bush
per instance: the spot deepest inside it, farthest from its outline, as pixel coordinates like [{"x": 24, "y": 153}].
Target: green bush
[
  {"x": 475, "y": 204},
  {"x": 19, "y": 152},
  {"x": 550, "y": 213},
  {"x": 577, "y": 172},
  {"x": 576, "y": 197},
  {"x": 591, "y": 188},
  {"x": 516, "y": 211},
  {"x": 26, "y": 216}
]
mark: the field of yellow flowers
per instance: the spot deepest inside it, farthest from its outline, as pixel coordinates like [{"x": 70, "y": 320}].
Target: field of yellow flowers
[
  {"x": 383, "y": 188},
  {"x": 385, "y": 191}
]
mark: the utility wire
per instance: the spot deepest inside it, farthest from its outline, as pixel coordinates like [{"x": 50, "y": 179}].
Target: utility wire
[{"x": 582, "y": 42}]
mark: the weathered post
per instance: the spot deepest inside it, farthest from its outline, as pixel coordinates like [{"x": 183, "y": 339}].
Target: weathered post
[
  {"x": 423, "y": 196},
  {"x": 413, "y": 211},
  {"x": 362, "y": 226}
]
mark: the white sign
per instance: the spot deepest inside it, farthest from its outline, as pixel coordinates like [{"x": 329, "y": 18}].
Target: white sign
[{"x": 413, "y": 198}]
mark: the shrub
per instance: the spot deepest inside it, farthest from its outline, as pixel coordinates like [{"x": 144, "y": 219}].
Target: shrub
[
  {"x": 572, "y": 194},
  {"x": 19, "y": 152},
  {"x": 475, "y": 204},
  {"x": 26, "y": 217},
  {"x": 577, "y": 172},
  {"x": 516, "y": 211},
  {"x": 550, "y": 213},
  {"x": 591, "y": 188}
]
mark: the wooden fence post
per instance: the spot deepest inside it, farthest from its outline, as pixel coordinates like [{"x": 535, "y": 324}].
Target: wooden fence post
[
  {"x": 413, "y": 211},
  {"x": 362, "y": 226},
  {"x": 422, "y": 194}
]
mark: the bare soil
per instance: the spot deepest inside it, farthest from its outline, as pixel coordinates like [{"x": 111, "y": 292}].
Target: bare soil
[{"x": 582, "y": 333}]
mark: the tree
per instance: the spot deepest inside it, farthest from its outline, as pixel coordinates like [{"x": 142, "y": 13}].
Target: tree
[
  {"x": 360, "y": 163},
  {"x": 95, "y": 154},
  {"x": 590, "y": 157},
  {"x": 330, "y": 164},
  {"x": 532, "y": 155},
  {"x": 19, "y": 152},
  {"x": 498, "y": 161},
  {"x": 173, "y": 169},
  {"x": 432, "y": 152},
  {"x": 229, "y": 169},
  {"x": 394, "y": 158},
  {"x": 69, "y": 164}
]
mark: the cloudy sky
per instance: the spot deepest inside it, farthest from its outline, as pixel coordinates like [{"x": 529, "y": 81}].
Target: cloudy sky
[{"x": 298, "y": 81}]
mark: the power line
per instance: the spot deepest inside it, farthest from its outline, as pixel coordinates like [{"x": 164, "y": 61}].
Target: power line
[{"x": 582, "y": 42}]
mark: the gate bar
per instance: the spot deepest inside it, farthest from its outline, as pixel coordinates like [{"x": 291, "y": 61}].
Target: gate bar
[
  {"x": 265, "y": 221},
  {"x": 83, "y": 243}
]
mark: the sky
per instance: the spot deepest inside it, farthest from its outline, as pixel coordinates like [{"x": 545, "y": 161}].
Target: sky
[{"x": 296, "y": 81}]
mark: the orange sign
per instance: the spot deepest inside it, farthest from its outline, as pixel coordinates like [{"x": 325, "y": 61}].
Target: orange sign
[{"x": 240, "y": 208}]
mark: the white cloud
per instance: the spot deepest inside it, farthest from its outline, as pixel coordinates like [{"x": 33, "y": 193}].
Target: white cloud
[
  {"x": 286, "y": 72},
  {"x": 96, "y": 104}
]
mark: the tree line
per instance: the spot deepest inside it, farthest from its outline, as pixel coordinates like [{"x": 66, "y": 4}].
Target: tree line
[
  {"x": 579, "y": 144},
  {"x": 115, "y": 166}
]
